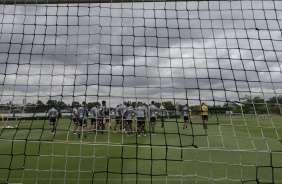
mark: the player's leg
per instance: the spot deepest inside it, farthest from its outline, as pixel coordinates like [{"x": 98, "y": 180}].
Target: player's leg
[
  {"x": 75, "y": 123},
  {"x": 127, "y": 128},
  {"x": 153, "y": 125},
  {"x": 185, "y": 123},
  {"x": 92, "y": 126},
  {"x": 143, "y": 127},
  {"x": 109, "y": 122},
  {"x": 203, "y": 119},
  {"x": 138, "y": 128},
  {"x": 115, "y": 127},
  {"x": 85, "y": 128},
  {"x": 123, "y": 127},
  {"x": 130, "y": 127},
  {"x": 117, "y": 122},
  {"x": 78, "y": 131},
  {"x": 52, "y": 127},
  {"x": 162, "y": 122},
  {"x": 103, "y": 124},
  {"x": 52, "y": 124},
  {"x": 206, "y": 122},
  {"x": 100, "y": 122}
]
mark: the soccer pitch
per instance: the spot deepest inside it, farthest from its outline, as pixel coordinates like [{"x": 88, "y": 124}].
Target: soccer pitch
[{"x": 236, "y": 150}]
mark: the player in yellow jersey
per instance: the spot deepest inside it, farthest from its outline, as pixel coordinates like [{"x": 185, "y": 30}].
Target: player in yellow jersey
[{"x": 205, "y": 115}]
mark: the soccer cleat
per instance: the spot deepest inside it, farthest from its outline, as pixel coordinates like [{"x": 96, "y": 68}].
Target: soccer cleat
[
  {"x": 85, "y": 137},
  {"x": 128, "y": 135},
  {"x": 138, "y": 136},
  {"x": 153, "y": 134},
  {"x": 145, "y": 135},
  {"x": 73, "y": 133}
]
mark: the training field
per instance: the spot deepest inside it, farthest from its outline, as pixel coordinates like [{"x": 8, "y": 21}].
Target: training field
[{"x": 237, "y": 150}]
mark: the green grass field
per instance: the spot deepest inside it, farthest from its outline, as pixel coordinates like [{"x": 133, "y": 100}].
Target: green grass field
[{"x": 233, "y": 151}]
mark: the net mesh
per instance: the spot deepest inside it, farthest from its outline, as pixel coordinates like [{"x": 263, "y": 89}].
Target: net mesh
[{"x": 226, "y": 54}]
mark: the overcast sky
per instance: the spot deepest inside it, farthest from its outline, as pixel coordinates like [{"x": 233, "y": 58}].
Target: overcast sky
[{"x": 200, "y": 51}]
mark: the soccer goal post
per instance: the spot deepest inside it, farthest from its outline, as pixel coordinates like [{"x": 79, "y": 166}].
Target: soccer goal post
[{"x": 140, "y": 91}]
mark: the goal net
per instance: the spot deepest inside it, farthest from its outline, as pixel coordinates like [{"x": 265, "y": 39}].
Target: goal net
[{"x": 226, "y": 55}]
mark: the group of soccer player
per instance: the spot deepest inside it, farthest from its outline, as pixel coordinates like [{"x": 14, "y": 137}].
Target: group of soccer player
[{"x": 124, "y": 116}]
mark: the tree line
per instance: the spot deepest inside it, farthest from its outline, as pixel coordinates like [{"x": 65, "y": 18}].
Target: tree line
[
  {"x": 249, "y": 105},
  {"x": 259, "y": 105}
]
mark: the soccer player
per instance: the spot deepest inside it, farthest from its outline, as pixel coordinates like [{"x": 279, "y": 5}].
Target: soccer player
[
  {"x": 153, "y": 111},
  {"x": 118, "y": 115},
  {"x": 82, "y": 113},
  {"x": 205, "y": 115},
  {"x": 186, "y": 116},
  {"x": 53, "y": 115},
  {"x": 103, "y": 111},
  {"x": 141, "y": 113},
  {"x": 163, "y": 114},
  {"x": 93, "y": 113},
  {"x": 75, "y": 119},
  {"x": 128, "y": 113},
  {"x": 122, "y": 109}
]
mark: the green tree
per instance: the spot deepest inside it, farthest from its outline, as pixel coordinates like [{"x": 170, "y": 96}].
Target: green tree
[
  {"x": 275, "y": 110},
  {"x": 252, "y": 105},
  {"x": 169, "y": 105},
  {"x": 61, "y": 105},
  {"x": 74, "y": 104},
  {"x": 51, "y": 102},
  {"x": 275, "y": 100},
  {"x": 92, "y": 104}
]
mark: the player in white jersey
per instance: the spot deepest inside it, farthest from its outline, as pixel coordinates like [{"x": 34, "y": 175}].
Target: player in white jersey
[
  {"x": 75, "y": 119},
  {"x": 141, "y": 114},
  {"x": 123, "y": 123},
  {"x": 53, "y": 115},
  {"x": 103, "y": 116},
  {"x": 82, "y": 113},
  {"x": 186, "y": 116},
  {"x": 163, "y": 114},
  {"x": 153, "y": 111},
  {"x": 118, "y": 117},
  {"x": 128, "y": 113},
  {"x": 94, "y": 115}
]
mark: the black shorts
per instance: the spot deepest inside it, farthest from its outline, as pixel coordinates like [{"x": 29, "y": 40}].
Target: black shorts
[
  {"x": 140, "y": 121},
  {"x": 185, "y": 118},
  {"x": 53, "y": 120},
  {"x": 118, "y": 119},
  {"x": 100, "y": 120},
  {"x": 153, "y": 120},
  {"x": 205, "y": 117},
  {"x": 128, "y": 122},
  {"x": 83, "y": 122},
  {"x": 75, "y": 121},
  {"x": 162, "y": 118},
  {"x": 93, "y": 121}
]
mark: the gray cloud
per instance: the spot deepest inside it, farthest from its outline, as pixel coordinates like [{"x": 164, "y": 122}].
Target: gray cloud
[{"x": 141, "y": 50}]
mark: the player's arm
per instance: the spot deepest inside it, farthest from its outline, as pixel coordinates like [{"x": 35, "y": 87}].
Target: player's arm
[
  {"x": 48, "y": 114},
  {"x": 57, "y": 115},
  {"x": 123, "y": 113},
  {"x": 78, "y": 113}
]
